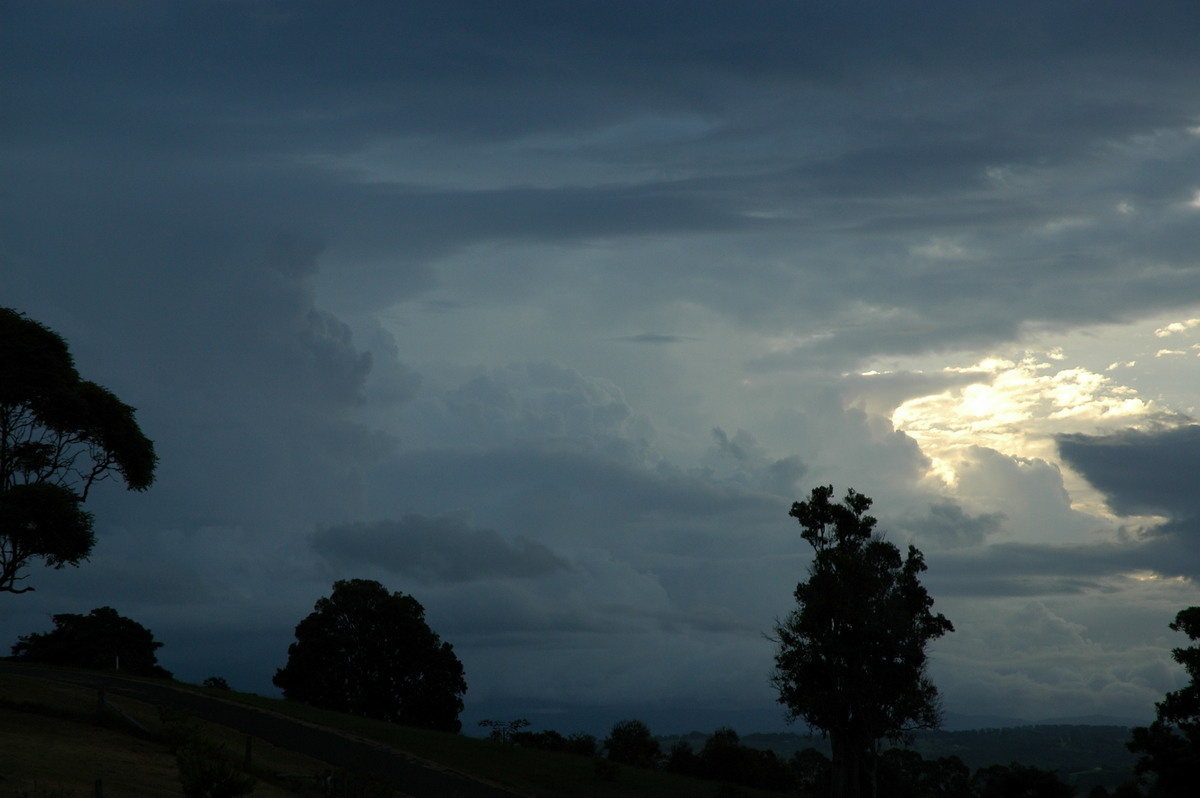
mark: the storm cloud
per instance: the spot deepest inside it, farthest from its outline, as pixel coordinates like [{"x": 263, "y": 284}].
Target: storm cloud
[
  {"x": 445, "y": 548},
  {"x": 546, "y": 313},
  {"x": 1141, "y": 472}
]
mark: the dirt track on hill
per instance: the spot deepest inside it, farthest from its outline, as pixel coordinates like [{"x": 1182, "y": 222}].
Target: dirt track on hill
[{"x": 412, "y": 776}]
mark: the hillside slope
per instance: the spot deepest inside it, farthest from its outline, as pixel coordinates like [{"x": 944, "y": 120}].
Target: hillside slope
[{"x": 48, "y": 722}]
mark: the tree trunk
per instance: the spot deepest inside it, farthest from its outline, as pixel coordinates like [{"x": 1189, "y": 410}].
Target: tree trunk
[
  {"x": 846, "y": 766},
  {"x": 837, "y": 766},
  {"x": 875, "y": 769}
]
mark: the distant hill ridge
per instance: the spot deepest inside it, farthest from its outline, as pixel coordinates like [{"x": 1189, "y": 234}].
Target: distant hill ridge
[{"x": 955, "y": 722}]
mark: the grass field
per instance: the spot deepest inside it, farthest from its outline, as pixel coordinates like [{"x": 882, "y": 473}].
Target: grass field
[{"x": 52, "y": 745}]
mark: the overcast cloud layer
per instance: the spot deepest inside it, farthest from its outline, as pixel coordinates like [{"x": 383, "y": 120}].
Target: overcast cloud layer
[{"x": 545, "y": 313}]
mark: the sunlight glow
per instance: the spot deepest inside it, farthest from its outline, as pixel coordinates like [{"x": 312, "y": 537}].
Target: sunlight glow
[
  {"x": 1081, "y": 382},
  {"x": 1143, "y": 575},
  {"x": 1015, "y": 408}
]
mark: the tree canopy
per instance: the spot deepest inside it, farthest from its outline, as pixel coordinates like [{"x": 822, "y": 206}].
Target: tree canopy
[
  {"x": 369, "y": 652},
  {"x": 630, "y": 743},
  {"x": 1170, "y": 746},
  {"x": 851, "y": 656},
  {"x": 100, "y": 640},
  {"x": 59, "y": 435}
]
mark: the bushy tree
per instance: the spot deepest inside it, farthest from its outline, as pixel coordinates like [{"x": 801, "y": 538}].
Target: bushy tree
[
  {"x": 682, "y": 759},
  {"x": 630, "y": 743},
  {"x": 59, "y": 435},
  {"x": 369, "y": 652},
  {"x": 851, "y": 658},
  {"x": 1170, "y": 746},
  {"x": 100, "y": 640}
]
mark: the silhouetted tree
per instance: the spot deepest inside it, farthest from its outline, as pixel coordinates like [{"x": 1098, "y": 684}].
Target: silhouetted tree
[
  {"x": 59, "y": 435},
  {"x": 576, "y": 743},
  {"x": 101, "y": 640},
  {"x": 504, "y": 730},
  {"x": 723, "y": 757},
  {"x": 906, "y": 774},
  {"x": 1170, "y": 746},
  {"x": 851, "y": 657},
  {"x": 1019, "y": 781},
  {"x": 630, "y": 743},
  {"x": 901, "y": 773},
  {"x": 946, "y": 777},
  {"x": 369, "y": 652},
  {"x": 581, "y": 744}
]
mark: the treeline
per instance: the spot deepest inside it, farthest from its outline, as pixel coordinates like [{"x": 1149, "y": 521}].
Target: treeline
[
  {"x": 787, "y": 768},
  {"x": 1083, "y": 756}
]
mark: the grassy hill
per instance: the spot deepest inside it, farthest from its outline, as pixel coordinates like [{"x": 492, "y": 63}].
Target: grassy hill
[{"x": 55, "y": 745}]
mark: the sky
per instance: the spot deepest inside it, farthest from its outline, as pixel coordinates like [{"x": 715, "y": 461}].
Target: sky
[{"x": 545, "y": 313}]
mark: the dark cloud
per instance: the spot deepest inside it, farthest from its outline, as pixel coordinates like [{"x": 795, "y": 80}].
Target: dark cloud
[
  {"x": 379, "y": 64},
  {"x": 1141, "y": 472},
  {"x": 391, "y": 382},
  {"x": 736, "y": 447},
  {"x": 1023, "y": 569},
  {"x": 947, "y": 525},
  {"x": 244, "y": 128},
  {"x": 522, "y": 403},
  {"x": 741, "y": 460},
  {"x": 435, "y": 549},
  {"x": 569, "y": 493}
]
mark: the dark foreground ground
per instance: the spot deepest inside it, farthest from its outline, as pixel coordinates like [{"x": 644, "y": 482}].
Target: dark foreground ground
[{"x": 407, "y": 774}]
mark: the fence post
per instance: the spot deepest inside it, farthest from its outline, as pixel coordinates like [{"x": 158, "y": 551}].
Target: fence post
[{"x": 99, "y": 788}]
